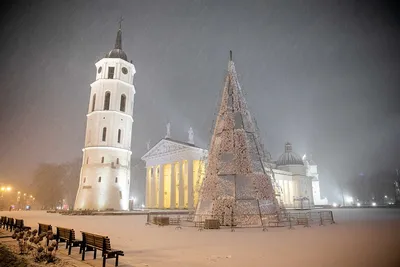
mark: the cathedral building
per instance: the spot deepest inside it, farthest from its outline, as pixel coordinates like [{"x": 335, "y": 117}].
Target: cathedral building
[
  {"x": 296, "y": 178},
  {"x": 105, "y": 173}
]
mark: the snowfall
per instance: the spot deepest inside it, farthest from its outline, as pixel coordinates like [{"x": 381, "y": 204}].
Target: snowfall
[{"x": 360, "y": 237}]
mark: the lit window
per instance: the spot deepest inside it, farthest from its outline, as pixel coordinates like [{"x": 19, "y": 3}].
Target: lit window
[
  {"x": 123, "y": 103},
  {"x": 102, "y": 159},
  {"x": 107, "y": 101},
  {"x": 116, "y": 179},
  {"x": 99, "y": 179},
  {"x": 111, "y": 72},
  {"x": 104, "y": 134},
  {"x": 93, "y": 102},
  {"x": 119, "y": 136}
]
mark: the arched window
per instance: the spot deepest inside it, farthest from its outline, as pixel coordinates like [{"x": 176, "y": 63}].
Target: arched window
[
  {"x": 104, "y": 134},
  {"x": 123, "y": 103},
  {"x": 107, "y": 101},
  {"x": 99, "y": 179},
  {"x": 102, "y": 159},
  {"x": 87, "y": 160},
  {"x": 116, "y": 179},
  {"x": 93, "y": 102},
  {"x": 84, "y": 179},
  {"x": 119, "y": 136},
  {"x": 117, "y": 160}
]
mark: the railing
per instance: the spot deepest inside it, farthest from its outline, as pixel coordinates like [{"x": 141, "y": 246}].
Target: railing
[{"x": 233, "y": 221}]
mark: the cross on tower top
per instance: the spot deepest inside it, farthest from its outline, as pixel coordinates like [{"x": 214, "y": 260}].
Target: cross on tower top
[{"x": 121, "y": 19}]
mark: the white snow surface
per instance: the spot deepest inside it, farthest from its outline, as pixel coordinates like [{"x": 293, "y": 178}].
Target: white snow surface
[{"x": 361, "y": 237}]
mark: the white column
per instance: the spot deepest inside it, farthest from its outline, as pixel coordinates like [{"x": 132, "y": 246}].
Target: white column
[
  {"x": 287, "y": 191},
  {"x": 173, "y": 186},
  {"x": 153, "y": 186},
  {"x": 148, "y": 188},
  {"x": 181, "y": 186},
  {"x": 190, "y": 184},
  {"x": 161, "y": 192}
]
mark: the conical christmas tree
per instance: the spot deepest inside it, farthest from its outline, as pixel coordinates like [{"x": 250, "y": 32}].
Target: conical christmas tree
[{"x": 237, "y": 188}]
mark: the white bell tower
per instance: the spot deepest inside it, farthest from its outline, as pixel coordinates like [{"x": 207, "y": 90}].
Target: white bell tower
[{"x": 105, "y": 173}]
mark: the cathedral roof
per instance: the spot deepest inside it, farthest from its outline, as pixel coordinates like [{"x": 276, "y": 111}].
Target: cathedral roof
[
  {"x": 117, "y": 52},
  {"x": 289, "y": 157}
]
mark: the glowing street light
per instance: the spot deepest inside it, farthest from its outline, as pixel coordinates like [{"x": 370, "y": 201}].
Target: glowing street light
[
  {"x": 373, "y": 204},
  {"x": 8, "y": 188},
  {"x": 385, "y": 196},
  {"x": 358, "y": 204}
]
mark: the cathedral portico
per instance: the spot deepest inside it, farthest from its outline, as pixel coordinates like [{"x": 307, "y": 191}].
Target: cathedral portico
[{"x": 174, "y": 173}]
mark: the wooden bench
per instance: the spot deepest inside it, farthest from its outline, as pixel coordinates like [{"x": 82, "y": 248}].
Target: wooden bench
[
  {"x": 3, "y": 221},
  {"x": 10, "y": 224},
  {"x": 303, "y": 221},
  {"x": 44, "y": 228},
  {"x": 94, "y": 242},
  {"x": 68, "y": 236},
  {"x": 19, "y": 224}
]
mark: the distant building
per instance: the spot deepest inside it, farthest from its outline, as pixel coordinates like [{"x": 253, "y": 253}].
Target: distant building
[{"x": 105, "y": 174}]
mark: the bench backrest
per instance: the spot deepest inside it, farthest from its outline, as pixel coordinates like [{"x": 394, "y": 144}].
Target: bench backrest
[
  {"x": 43, "y": 228},
  {"x": 66, "y": 233},
  {"x": 19, "y": 223},
  {"x": 10, "y": 221},
  {"x": 97, "y": 241}
]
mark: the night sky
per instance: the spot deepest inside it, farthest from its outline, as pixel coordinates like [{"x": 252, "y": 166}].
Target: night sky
[{"x": 324, "y": 75}]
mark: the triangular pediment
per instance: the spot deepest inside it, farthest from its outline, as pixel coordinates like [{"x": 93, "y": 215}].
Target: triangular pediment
[{"x": 166, "y": 147}]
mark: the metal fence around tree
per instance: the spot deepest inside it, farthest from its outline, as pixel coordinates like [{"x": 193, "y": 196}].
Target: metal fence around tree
[{"x": 233, "y": 221}]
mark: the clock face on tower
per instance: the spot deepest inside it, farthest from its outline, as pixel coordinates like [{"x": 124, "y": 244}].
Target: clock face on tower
[
  {"x": 124, "y": 70},
  {"x": 99, "y": 70}
]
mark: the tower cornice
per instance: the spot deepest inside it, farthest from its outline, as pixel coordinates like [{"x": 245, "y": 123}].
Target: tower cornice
[
  {"x": 110, "y": 111},
  {"x": 107, "y": 148},
  {"x": 110, "y": 81}
]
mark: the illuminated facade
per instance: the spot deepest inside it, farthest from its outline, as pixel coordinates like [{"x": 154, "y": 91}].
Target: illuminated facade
[
  {"x": 174, "y": 174},
  {"x": 105, "y": 173},
  {"x": 294, "y": 177}
]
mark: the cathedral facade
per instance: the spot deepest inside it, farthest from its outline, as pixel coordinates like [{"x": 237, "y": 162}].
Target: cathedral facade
[{"x": 175, "y": 171}]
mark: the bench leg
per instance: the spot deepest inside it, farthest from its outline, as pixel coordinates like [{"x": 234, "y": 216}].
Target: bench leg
[
  {"x": 69, "y": 249},
  {"x": 104, "y": 260},
  {"x": 94, "y": 254},
  {"x": 66, "y": 244},
  {"x": 116, "y": 260},
  {"x": 83, "y": 253}
]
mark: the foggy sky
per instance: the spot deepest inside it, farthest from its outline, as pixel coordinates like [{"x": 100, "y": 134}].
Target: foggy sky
[{"x": 323, "y": 75}]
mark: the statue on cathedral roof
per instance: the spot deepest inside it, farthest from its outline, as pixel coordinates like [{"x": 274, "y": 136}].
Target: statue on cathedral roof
[
  {"x": 168, "y": 130},
  {"x": 191, "y": 136}
]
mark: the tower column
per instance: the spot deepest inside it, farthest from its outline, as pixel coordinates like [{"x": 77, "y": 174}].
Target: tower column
[
  {"x": 153, "y": 187},
  {"x": 181, "y": 186},
  {"x": 161, "y": 188},
  {"x": 190, "y": 183},
  {"x": 173, "y": 187}
]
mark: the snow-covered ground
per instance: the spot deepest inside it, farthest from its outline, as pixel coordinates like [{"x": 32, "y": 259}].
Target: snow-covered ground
[{"x": 361, "y": 237}]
